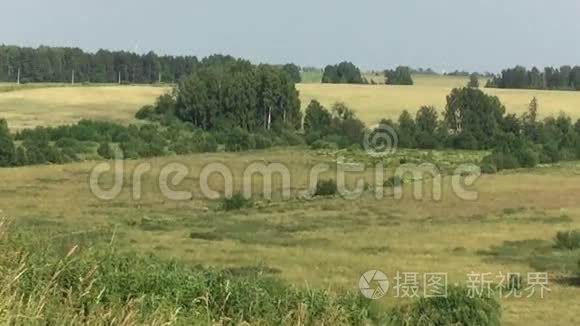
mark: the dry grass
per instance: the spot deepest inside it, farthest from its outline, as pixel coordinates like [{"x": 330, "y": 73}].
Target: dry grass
[
  {"x": 31, "y": 106},
  {"x": 53, "y": 106},
  {"x": 324, "y": 242},
  {"x": 376, "y": 102}
]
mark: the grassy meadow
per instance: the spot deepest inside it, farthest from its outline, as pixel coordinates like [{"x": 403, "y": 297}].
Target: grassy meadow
[
  {"x": 324, "y": 242},
  {"x": 311, "y": 243}
]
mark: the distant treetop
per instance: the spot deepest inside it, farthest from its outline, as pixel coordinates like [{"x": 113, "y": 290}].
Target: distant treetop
[{"x": 343, "y": 73}]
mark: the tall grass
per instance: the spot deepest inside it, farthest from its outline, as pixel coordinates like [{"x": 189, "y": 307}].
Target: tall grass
[{"x": 100, "y": 286}]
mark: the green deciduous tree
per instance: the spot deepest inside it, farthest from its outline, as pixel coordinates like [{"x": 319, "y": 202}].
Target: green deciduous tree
[{"x": 7, "y": 149}]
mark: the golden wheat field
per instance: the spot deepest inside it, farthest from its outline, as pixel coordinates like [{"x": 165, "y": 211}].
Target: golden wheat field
[
  {"x": 33, "y": 106},
  {"x": 376, "y": 102},
  {"x": 53, "y": 106}
]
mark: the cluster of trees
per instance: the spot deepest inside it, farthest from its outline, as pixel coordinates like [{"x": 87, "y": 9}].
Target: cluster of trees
[
  {"x": 335, "y": 128},
  {"x": 342, "y": 73},
  {"x": 473, "y": 120},
  {"x": 400, "y": 76},
  {"x": 563, "y": 78},
  {"x": 228, "y": 93}
]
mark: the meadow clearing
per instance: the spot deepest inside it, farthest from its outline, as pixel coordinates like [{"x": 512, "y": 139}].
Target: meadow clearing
[
  {"x": 55, "y": 104},
  {"x": 323, "y": 242}
]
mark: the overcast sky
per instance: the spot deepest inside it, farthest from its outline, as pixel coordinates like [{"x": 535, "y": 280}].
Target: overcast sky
[{"x": 482, "y": 35}]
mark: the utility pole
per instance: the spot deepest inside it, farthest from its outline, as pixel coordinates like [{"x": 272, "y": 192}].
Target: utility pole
[
  {"x": 119, "y": 78},
  {"x": 160, "y": 77},
  {"x": 73, "y": 78},
  {"x": 18, "y": 79}
]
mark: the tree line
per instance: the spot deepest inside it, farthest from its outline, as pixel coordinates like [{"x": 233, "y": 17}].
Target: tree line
[
  {"x": 66, "y": 64},
  {"x": 563, "y": 78},
  {"x": 472, "y": 120}
]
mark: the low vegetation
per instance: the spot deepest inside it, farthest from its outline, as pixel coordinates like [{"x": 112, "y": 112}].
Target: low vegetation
[
  {"x": 458, "y": 308},
  {"x": 569, "y": 240}
]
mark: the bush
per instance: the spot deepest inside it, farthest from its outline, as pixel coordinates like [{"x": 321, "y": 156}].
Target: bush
[
  {"x": 260, "y": 141},
  {"x": 235, "y": 202},
  {"x": 394, "y": 182},
  {"x": 205, "y": 143},
  {"x": 323, "y": 144},
  {"x": 568, "y": 240},
  {"x": 458, "y": 308},
  {"x": 500, "y": 161},
  {"x": 527, "y": 158},
  {"x": 146, "y": 113},
  {"x": 105, "y": 151},
  {"x": 238, "y": 140},
  {"x": 292, "y": 138},
  {"x": 326, "y": 188},
  {"x": 488, "y": 168}
]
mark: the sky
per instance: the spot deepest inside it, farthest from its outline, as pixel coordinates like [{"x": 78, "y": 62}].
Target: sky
[{"x": 473, "y": 35}]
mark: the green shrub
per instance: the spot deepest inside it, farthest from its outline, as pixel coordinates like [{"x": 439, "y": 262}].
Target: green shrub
[
  {"x": 458, "y": 308},
  {"x": 235, "y": 202},
  {"x": 206, "y": 143},
  {"x": 488, "y": 168},
  {"x": 261, "y": 142},
  {"x": 147, "y": 112},
  {"x": 326, "y": 188},
  {"x": 238, "y": 140},
  {"x": 394, "y": 182},
  {"x": 527, "y": 158},
  {"x": 292, "y": 138},
  {"x": 323, "y": 144},
  {"x": 66, "y": 142},
  {"x": 105, "y": 151},
  {"x": 568, "y": 240}
]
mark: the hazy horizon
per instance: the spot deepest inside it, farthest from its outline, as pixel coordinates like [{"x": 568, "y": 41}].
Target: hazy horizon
[{"x": 457, "y": 35}]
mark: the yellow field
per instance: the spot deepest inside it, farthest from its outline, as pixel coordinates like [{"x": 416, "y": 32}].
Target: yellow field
[
  {"x": 57, "y": 105},
  {"x": 54, "y": 106},
  {"x": 324, "y": 242},
  {"x": 375, "y": 102}
]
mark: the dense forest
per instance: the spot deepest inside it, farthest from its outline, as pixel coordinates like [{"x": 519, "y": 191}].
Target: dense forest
[
  {"x": 64, "y": 64},
  {"x": 563, "y": 78}
]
